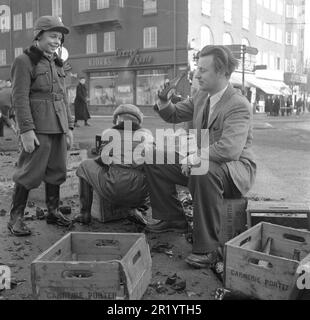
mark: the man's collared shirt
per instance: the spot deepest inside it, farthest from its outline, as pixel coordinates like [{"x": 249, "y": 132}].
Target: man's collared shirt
[{"x": 215, "y": 99}]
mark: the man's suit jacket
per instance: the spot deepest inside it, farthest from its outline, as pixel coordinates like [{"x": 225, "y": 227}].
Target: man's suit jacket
[{"x": 230, "y": 131}]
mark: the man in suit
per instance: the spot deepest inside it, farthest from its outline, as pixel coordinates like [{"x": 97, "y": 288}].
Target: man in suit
[{"x": 221, "y": 109}]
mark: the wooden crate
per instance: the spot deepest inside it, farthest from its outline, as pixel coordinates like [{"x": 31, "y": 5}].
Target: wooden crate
[
  {"x": 93, "y": 266},
  {"x": 105, "y": 212},
  {"x": 70, "y": 187},
  {"x": 233, "y": 219},
  {"x": 294, "y": 215},
  {"x": 277, "y": 278}
]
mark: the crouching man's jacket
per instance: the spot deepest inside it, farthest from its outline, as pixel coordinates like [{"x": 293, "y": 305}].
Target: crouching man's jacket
[{"x": 39, "y": 95}]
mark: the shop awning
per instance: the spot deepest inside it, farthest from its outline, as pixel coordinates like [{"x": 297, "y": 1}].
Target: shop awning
[{"x": 268, "y": 86}]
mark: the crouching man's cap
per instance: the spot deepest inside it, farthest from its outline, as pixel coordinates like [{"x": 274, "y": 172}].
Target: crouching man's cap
[
  {"x": 128, "y": 109},
  {"x": 50, "y": 23}
]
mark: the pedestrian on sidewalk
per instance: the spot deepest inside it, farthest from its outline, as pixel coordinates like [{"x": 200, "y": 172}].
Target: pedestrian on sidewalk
[
  {"x": 80, "y": 103},
  {"x": 45, "y": 123}
]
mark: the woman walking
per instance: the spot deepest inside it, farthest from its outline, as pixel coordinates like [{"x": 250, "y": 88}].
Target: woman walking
[{"x": 80, "y": 103}]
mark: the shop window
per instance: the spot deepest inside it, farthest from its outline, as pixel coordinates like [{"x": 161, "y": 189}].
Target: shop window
[
  {"x": 148, "y": 84},
  {"x": 111, "y": 88},
  {"x": 149, "y": 6}
]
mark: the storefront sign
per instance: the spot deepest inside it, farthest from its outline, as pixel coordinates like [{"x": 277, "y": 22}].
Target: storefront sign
[
  {"x": 135, "y": 58},
  {"x": 100, "y": 61},
  {"x": 295, "y": 78}
]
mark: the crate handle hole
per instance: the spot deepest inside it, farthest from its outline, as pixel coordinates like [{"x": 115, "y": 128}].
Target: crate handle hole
[
  {"x": 294, "y": 238},
  {"x": 103, "y": 243},
  {"x": 261, "y": 263},
  {"x": 245, "y": 241},
  {"x": 76, "y": 274},
  {"x": 136, "y": 257}
]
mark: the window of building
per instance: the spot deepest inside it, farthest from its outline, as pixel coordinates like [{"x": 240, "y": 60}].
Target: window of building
[
  {"x": 18, "y": 52},
  {"x": 279, "y": 36},
  {"x": 278, "y": 63},
  {"x": 280, "y": 7},
  {"x": 266, "y": 59},
  {"x": 245, "y": 42},
  {"x": 206, "y": 7},
  {"x": 267, "y": 3},
  {"x": 273, "y": 5},
  {"x": 103, "y": 4},
  {"x": 84, "y": 5},
  {"x": 289, "y": 11},
  {"x": 260, "y": 2},
  {"x": 148, "y": 83},
  {"x": 109, "y": 41},
  {"x": 246, "y": 14},
  {"x": 228, "y": 11},
  {"x": 259, "y": 28},
  {"x": 29, "y": 20},
  {"x": 295, "y": 39},
  {"x": 121, "y": 3},
  {"x": 289, "y": 38},
  {"x": 271, "y": 61},
  {"x": 91, "y": 43},
  {"x": 18, "y": 22},
  {"x": 2, "y": 57},
  {"x": 273, "y": 35},
  {"x": 266, "y": 31},
  {"x": 149, "y": 6},
  {"x": 57, "y": 8},
  {"x": 5, "y": 19},
  {"x": 227, "y": 39},
  {"x": 206, "y": 36},
  {"x": 150, "y": 37}
]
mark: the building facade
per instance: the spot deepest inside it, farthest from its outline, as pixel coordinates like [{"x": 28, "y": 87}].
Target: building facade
[
  {"x": 125, "y": 48},
  {"x": 274, "y": 27},
  {"x": 128, "y": 48}
]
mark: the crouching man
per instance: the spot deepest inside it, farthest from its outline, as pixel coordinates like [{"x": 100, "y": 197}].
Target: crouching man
[{"x": 115, "y": 175}]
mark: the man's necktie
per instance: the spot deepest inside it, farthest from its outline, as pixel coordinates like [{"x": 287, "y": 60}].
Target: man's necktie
[{"x": 206, "y": 113}]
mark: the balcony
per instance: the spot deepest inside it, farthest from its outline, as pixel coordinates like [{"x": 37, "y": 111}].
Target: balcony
[{"x": 98, "y": 18}]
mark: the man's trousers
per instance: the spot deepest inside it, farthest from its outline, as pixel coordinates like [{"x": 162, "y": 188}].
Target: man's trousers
[{"x": 208, "y": 192}]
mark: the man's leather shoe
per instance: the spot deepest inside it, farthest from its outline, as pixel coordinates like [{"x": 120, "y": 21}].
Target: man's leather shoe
[
  {"x": 202, "y": 261},
  {"x": 168, "y": 226}
]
